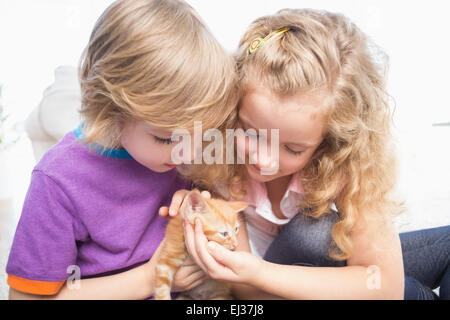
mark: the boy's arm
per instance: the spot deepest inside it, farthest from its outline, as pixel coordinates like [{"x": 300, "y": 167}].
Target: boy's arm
[
  {"x": 135, "y": 284},
  {"x": 127, "y": 285}
]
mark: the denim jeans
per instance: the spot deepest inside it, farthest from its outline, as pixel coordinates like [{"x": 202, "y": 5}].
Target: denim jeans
[{"x": 305, "y": 241}]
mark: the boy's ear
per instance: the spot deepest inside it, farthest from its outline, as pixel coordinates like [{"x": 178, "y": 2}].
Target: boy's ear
[
  {"x": 196, "y": 203},
  {"x": 238, "y": 205}
]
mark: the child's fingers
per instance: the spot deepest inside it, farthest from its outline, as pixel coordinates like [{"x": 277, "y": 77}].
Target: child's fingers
[
  {"x": 186, "y": 270},
  {"x": 200, "y": 245},
  {"x": 190, "y": 268},
  {"x": 177, "y": 200},
  {"x": 189, "y": 262},
  {"x": 206, "y": 194},
  {"x": 198, "y": 275},
  {"x": 222, "y": 255},
  {"x": 196, "y": 283},
  {"x": 163, "y": 212},
  {"x": 187, "y": 279},
  {"x": 213, "y": 268},
  {"x": 188, "y": 274}
]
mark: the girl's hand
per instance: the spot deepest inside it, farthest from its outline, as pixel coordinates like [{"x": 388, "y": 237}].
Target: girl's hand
[
  {"x": 177, "y": 200},
  {"x": 218, "y": 262},
  {"x": 188, "y": 276}
]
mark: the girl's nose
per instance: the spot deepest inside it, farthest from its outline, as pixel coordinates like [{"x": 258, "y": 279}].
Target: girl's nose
[
  {"x": 261, "y": 161},
  {"x": 264, "y": 161}
]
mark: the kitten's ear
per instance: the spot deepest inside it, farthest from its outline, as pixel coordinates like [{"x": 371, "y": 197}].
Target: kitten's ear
[
  {"x": 196, "y": 203},
  {"x": 238, "y": 205}
]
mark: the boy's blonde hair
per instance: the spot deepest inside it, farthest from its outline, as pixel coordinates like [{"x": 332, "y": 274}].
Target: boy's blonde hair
[
  {"x": 155, "y": 61},
  {"x": 355, "y": 165}
]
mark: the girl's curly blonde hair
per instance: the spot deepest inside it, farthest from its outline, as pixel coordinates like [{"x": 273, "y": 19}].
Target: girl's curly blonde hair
[{"x": 355, "y": 165}]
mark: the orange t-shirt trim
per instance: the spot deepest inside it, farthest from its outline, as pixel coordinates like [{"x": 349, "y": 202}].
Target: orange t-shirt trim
[{"x": 34, "y": 286}]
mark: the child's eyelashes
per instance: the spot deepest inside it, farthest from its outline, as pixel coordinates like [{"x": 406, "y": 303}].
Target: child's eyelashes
[
  {"x": 163, "y": 140},
  {"x": 297, "y": 153},
  {"x": 253, "y": 134}
]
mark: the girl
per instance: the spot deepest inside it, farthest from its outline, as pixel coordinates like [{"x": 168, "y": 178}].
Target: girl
[
  {"x": 90, "y": 214},
  {"x": 312, "y": 75}
]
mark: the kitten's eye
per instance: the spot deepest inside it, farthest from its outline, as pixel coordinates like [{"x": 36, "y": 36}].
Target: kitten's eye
[
  {"x": 224, "y": 234},
  {"x": 236, "y": 229}
]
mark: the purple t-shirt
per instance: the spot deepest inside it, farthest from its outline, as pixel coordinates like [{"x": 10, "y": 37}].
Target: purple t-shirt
[{"x": 98, "y": 212}]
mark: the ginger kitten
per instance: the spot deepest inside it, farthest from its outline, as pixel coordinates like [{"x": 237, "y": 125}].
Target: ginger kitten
[{"x": 220, "y": 224}]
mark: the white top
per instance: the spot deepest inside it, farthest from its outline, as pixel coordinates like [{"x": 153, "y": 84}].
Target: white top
[{"x": 262, "y": 224}]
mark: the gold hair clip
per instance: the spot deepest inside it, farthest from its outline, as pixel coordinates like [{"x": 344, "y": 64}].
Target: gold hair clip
[{"x": 258, "y": 42}]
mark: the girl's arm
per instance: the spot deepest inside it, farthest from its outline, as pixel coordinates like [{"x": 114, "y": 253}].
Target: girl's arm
[
  {"x": 375, "y": 270},
  {"x": 319, "y": 283}
]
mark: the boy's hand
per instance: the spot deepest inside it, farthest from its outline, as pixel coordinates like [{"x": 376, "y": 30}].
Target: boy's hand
[
  {"x": 177, "y": 200},
  {"x": 188, "y": 276}
]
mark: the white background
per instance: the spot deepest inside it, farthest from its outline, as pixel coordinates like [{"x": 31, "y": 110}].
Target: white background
[{"x": 36, "y": 36}]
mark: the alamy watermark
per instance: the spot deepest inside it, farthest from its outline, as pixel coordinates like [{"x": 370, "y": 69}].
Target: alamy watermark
[
  {"x": 374, "y": 280},
  {"x": 258, "y": 147},
  {"x": 73, "y": 281}
]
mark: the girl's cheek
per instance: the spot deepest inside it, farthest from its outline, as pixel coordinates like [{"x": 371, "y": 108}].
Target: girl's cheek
[
  {"x": 241, "y": 142},
  {"x": 193, "y": 147},
  {"x": 290, "y": 163},
  {"x": 157, "y": 154}
]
